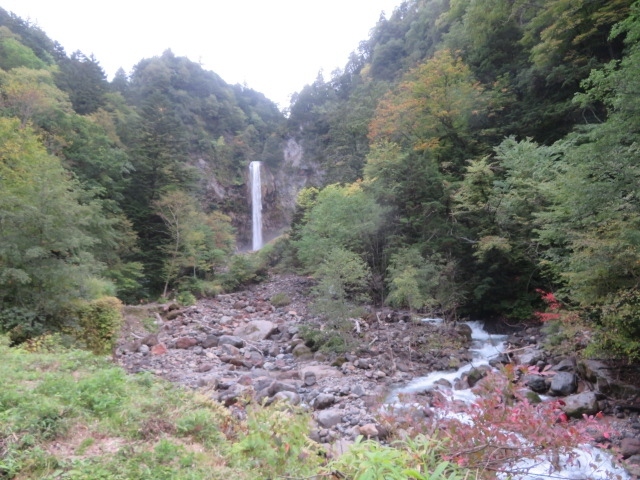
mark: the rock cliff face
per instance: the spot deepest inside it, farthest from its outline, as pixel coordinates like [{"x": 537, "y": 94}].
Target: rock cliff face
[
  {"x": 280, "y": 187},
  {"x": 281, "y": 180}
]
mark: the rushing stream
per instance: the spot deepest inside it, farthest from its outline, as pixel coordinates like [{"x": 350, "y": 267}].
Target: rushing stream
[{"x": 584, "y": 463}]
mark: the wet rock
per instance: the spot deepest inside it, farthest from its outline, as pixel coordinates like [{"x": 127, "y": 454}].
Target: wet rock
[
  {"x": 537, "y": 383},
  {"x": 476, "y": 374},
  {"x": 582, "y": 403},
  {"x": 563, "y": 383},
  {"x": 464, "y": 330},
  {"x": 566, "y": 365},
  {"x": 529, "y": 356}
]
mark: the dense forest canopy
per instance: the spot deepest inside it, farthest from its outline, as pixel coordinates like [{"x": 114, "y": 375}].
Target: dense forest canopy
[{"x": 473, "y": 154}]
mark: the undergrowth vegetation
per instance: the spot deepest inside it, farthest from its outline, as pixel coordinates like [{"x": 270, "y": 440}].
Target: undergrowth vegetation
[{"x": 70, "y": 414}]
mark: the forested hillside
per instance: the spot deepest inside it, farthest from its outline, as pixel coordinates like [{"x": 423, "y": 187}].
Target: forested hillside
[
  {"x": 493, "y": 146},
  {"x": 476, "y": 159},
  {"x": 123, "y": 188}
]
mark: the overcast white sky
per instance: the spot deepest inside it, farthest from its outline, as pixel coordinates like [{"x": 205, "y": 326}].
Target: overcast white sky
[{"x": 274, "y": 46}]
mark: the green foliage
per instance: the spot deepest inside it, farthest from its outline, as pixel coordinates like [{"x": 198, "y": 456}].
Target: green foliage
[
  {"x": 199, "y": 243},
  {"x": 343, "y": 217},
  {"x": 419, "y": 458},
  {"x": 343, "y": 281},
  {"x": 244, "y": 269},
  {"x": 186, "y": 299},
  {"x": 280, "y": 299},
  {"x": 276, "y": 443},
  {"x": 413, "y": 281},
  {"x": 617, "y": 322},
  {"x": 100, "y": 321},
  {"x": 45, "y": 242},
  {"x": 15, "y": 54}
]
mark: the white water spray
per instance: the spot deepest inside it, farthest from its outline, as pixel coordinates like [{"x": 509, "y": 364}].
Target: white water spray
[{"x": 256, "y": 204}]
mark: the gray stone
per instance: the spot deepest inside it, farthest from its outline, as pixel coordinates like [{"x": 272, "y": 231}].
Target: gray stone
[
  {"x": 291, "y": 397},
  {"x": 358, "y": 390},
  {"x": 210, "y": 342},
  {"x": 582, "y": 403},
  {"x": 231, "y": 340},
  {"x": 329, "y": 418},
  {"x": 464, "y": 330},
  {"x": 369, "y": 430},
  {"x": 537, "y": 383},
  {"x": 228, "y": 349},
  {"x": 629, "y": 447},
  {"x": 566, "y": 365},
  {"x": 475, "y": 375},
  {"x": 309, "y": 378},
  {"x": 530, "y": 356},
  {"x": 256, "y": 330},
  {"x": 320, "y": 371},
  {"x": 324, "y": 400},
  {"x": 301, "y": 351},
  {"x": 563, "y": 383},
  {"x": 144, "y": 349}
]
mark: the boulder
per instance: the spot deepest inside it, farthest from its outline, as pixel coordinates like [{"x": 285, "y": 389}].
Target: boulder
[
  {"x": 563, "y": 383},
  {"x": 291, "y": 397},
  {"x": 301, "y": 351},
  {"x": 629, "y": 447},
  {"x": 529, "y": 356},
  {"x": 256, "y": 330},
  {"x": 582, "y": 403},
  {"x": 320, "y": 371},
  {"x": 210, "y": 342},
  {"x": 232, "y": 340},
  {"x": 322, "y": 401},
  {"x": 186, "y": 342},
  {"x": 369, "y": 430},
  {"x": 159, "y": 349},
  {"x": 537, "y": 383},
  {"x": 329, "y": 418}
]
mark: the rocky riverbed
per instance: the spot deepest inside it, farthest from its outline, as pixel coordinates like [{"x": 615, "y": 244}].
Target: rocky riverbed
[{"x": 241, "y": 345}]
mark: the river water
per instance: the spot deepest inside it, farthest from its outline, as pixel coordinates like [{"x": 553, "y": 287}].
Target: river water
[{"x": 583, "y": 463}]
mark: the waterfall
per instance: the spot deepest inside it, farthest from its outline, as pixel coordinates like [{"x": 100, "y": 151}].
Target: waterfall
[{"x": 256, "y": 204}]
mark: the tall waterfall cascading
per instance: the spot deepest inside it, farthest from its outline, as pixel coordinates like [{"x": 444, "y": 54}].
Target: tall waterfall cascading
[{"x": 256, "y": 204}]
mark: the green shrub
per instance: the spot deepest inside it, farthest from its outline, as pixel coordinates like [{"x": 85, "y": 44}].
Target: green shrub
[
  {"x": 100, "y": 321},
  {"x": 276, "y": 443},
  {"x": 186, "y": 299},
  {"x": 280, "y": 300},
  {"x": 244, "y": 269},
  {"x": 418, "y": 458},
  {"x": 617, "y": 333}
]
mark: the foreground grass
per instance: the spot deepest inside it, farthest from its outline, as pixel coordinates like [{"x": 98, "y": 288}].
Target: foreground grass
[
  {"x": 73, "y": 415},
  {"x": 69, "y": 414}
]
